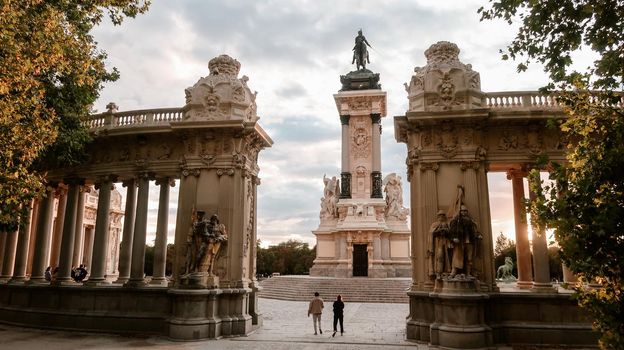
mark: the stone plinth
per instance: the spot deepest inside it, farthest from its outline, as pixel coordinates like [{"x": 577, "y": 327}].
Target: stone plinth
[{"x": 362, "y": 79}]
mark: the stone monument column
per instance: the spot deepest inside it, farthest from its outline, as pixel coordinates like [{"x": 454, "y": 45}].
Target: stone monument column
[
  {"x": 19, "y": 270},
  {"x": 33, "y": 235},
  {"x": 9, "y": 254},
  {"x": 160, "y": 246},
  {"x": 345, "y": 173},
  {"x": 137, "y": 268},
  {"x": 69, "y": 232},
  {"x": 427, "y": 179},
  {"x": 523, "y": 250},
  {"x": 57, "y": 234},
  {"x": 541, "y": 280},
  {"x": 125, "y": 255},
  {"x": 44, "y": 227},
  {"x": 100, "y": 239},
  {"x": 80, "y": 232},
  {"x": 376, "y": 146}
]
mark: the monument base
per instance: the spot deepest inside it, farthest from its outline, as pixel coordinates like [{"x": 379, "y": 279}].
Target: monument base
[{"x": 199, "y": 280}]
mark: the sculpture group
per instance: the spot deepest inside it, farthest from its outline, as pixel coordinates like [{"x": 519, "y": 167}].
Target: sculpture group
[
  {"x": 454, "y": 244},
  {"x": 204, "y": 244}
]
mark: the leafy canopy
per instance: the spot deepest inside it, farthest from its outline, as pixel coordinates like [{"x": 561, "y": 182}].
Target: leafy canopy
[
  {"x": 585, "y": 206},
  {"x": 50, "y": 74}
]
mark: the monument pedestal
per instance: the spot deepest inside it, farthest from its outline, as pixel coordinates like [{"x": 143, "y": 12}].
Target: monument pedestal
[
  {"x": 199, "y": 280},
  {"x": 459, "y": 310}
]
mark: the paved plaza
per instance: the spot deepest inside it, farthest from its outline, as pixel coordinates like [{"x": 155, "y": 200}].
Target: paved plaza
[{"x": 286, "y": 326}]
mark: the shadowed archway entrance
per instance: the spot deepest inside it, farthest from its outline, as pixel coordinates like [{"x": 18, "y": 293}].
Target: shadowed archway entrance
[{"x": 360, "y": 260}]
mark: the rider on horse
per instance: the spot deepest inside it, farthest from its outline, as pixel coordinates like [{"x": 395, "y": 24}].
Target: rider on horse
[{"x": 360, "y": 53}]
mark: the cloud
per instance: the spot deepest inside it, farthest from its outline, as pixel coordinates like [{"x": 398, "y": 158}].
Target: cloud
[{"x": 294, "y": 53}]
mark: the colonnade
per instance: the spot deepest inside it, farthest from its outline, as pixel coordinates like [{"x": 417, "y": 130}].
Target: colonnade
[
  {"x": 43, "y": 241},
  {"x": 532, "y": 256}
]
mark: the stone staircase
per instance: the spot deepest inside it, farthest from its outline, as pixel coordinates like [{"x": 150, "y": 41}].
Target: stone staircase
[{"x": 358, "y": 289}]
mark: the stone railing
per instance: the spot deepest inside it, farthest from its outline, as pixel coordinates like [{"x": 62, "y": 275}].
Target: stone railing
[
  {"x": 128, "y": 119},
  {"x": 520, "y": 99},
  {"x": 508, "y": 100}
]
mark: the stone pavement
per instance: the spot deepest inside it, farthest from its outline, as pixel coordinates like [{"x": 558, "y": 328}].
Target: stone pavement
[{"x": 286, "y": 326}]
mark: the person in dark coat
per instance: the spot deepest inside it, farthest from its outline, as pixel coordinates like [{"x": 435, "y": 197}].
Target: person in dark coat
[{"x": 338, "y": 315}]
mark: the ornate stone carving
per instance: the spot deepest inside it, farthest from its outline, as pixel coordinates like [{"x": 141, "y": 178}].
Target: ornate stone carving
[
  {"x": 440, "y": 247},
  {"x": 429, "y": 166},
  {"x": 204, "y": 244},
  {"x": 361, "y": 142},
  {"x": 535, "y": 141},
  {"x": 394, "y": 198},
  {"x": 221, "y": 95},
  {"x": 508, "y": 141},
  {"x": 330, "y": 198},
  {"x": 225, "y": 171},
  {"x": 444, "y": 83},
  {"x": 448, "y": 141}
]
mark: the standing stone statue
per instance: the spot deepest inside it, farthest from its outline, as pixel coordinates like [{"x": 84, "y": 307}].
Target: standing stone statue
[
  {"x": 208, "y": 236},
  {"x": 466, "y": 240},
  {"x": 438, "y": 254},
  {"x": 330, "y": 197},
  {"x": 360, "y": 52},
  {"x": 394, "y": 197}
]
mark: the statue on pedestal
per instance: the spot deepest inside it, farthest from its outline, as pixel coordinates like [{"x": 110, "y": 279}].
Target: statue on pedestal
[
  {"x": 330, "y": 197},
  {"x": 360, "y": 52},
  {"x": 466, "y": 240},
  {"x": 438, "y": 254},
  {"x": 204, "y": 244},
  {"x": 394, "y": 197}
]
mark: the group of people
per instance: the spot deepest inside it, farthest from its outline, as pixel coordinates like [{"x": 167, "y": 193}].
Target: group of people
[
  {"x": 78, "y": 274},
  {"x": 316, "y": 310}
]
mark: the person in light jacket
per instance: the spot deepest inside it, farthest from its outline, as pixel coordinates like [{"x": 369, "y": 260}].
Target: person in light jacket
[{"x": 316, "y": 309}]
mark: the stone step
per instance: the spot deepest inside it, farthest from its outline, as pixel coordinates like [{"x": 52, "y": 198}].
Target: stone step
[{"x": 367, "y": 290}]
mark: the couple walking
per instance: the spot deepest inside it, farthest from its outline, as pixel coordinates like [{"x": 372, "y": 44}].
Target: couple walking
[{"x": 316, "y": 310}]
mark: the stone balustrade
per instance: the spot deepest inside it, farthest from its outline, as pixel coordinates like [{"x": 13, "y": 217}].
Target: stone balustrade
[{"x": 130, "y": 119}]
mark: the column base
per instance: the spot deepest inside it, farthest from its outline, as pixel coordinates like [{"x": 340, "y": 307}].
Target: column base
[
  {"x": 543, "y": 288},
  {"x": 18, "y": 280},
  {"x": 159, "y": 281},
  {"x": 97, "y": 283},
  {"x": 524, "y": 284},
  {"x": 64, "y": 282},
  {"x": 135, "y": 283},
  {"x": 37, "y": 281},
  {"x": 121, "y": 280}
]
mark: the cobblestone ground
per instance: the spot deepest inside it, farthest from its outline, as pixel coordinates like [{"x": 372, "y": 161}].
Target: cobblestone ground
[{"x": 286, "y": 326}]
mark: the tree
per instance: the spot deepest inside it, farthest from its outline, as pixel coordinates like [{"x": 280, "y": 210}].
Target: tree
[
  {"x": 51, "y": 72},
  {"x": 585, "y": 206},
  {"x": 288, "y": 258}
]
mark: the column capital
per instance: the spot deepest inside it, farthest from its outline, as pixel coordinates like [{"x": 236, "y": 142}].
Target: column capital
[
  {"x": 129, "y": 182},
  {"x": 517, "y": 173},
  {"x": 475, "y": 165},
  {"x": 344, "y": 119},
  {"x": 104, "y": 179},
  {"x": 429, "y": 166},
  {"x": 77, "y": 181},
  {"x": 376, "y": 118},
  {"x": 165, "y": 181}
]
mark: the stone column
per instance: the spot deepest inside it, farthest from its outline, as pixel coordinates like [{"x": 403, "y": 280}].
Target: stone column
[
  {"x": 69, "y": 232},
  {"x": 9, "y": 254},
  {"x": 3, "y": 237},
  {"x": 160, "y": 246},
  {"x": 79, "y": 235},
  {"x": 125, "y": 255},
  {"x": 33, "y": 235},
  {"x": 523, "y": 251},
  {"x": 55, "y": 248},
  {"x": 100, "y": 239},
  {"x": 186, "y": 207},
  {"x": 345, "y": 174},
  {"x": 428, "y": 203},
  {"x": 137, "y": 268},
  {"x": 376, "y": 180},
  {"x": 23, "y": 241},
  {"x": 42, "y": 238},
  {"x": 541, "y": 280},
  {"x": 87, "y": 252}
]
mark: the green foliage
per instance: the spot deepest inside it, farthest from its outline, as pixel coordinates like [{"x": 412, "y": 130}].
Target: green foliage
[
  {"x": 51, "y": 72},
  {"x": 288, "y": 258},
  {"x": 585, "y": 206}
]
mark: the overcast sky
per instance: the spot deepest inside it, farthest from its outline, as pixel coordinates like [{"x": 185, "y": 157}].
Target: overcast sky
[{"x": 293, "y": 53}]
